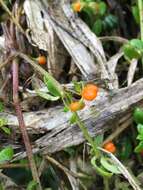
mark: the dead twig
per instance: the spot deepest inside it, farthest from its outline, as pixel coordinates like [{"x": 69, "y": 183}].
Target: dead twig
[
  {"x": 22, "y": 124},
  {"x": 64, "y": 169},
  {"x": 12, "y": 16},
  {"x": 4, "y": 166}
]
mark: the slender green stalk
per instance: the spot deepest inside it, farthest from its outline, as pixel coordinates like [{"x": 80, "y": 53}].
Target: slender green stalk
[
  {"x": 86, "y": 134},
  {"x": 106, "y": 183},
  {"x": 140, "y": 6}
]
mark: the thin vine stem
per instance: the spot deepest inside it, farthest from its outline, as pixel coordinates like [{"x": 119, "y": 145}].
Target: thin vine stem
[
  {"x": 106, "y": 183},
  {"x": 86, "y": 134},
  {"x": 140, "y": 6}
]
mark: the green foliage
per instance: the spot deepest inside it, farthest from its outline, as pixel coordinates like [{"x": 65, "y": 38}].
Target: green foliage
[
  {"x": 47, "y": 96},
  {"x": 73, "y": 118},
  {"x": 102, "y": 8},
  {"x": 109, "y": 166},
  {"x": 32, "y": 185},
  {"x": 96, "y": 15},
  {"x": 126, "y": 148},
  {"x": 3, "y": 122},
  {"x": 138, "y": 118},
  {"x": 100, "y": 170},
  {"x": 6, "y": 130},
  {"x": 99, "y": 140},
  {"x": 138, "y": 115},
  {"x": 135, "y": 12},
  {"x": 1, "y": 106},
  {"x": 77, "y": 86},
  {"x": 66, "y": 109},
  {"x": 110, "y": 22},
  {"x": 6, "y": 154},
  {"x": 139, "y": 148},
  {"x": 52, "y": 86},
  {"x": 133, "y": 49},
  {"x": 97, "y": 27}
]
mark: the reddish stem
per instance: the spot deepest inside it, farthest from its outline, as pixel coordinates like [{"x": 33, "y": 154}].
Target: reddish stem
[{"x": 22, "y": 124}]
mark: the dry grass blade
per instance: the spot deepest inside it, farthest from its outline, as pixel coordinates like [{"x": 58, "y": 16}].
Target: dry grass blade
[
  {"x": 131, "y": 71},
  {"x": 12, "y": 17}
]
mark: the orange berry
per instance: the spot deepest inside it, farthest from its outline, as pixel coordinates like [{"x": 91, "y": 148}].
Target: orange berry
[
  {"x": 110, "y": 147},
  {"x": 77, "y": 6},
  {"x": 42, "y": 60},
  {"x": 90, "y": 92},
  {"x": 75, "y": 106}
]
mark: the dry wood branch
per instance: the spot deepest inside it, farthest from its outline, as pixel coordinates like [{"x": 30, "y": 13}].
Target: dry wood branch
[{"x": 99, "y": 117}]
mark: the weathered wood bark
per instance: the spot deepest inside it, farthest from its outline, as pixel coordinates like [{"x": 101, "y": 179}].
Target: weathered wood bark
[{"x": 103, "y": 114}]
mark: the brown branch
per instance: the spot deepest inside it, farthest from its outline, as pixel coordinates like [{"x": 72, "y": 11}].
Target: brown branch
[
  {"x": 4, "y": 166},
  {"x": 22, "y": 124}
]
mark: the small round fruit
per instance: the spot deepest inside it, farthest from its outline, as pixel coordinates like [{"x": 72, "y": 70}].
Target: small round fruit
[
  {"x": 110, "y": 147},
  {"x": 76, "y": 106},
  {"x": 42, "y": 60},
  {"x": 76, "y": 6},
  {"x": 90, "y": 92}
]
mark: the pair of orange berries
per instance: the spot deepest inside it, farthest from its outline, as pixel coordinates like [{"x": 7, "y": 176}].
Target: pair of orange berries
[{"x": 89, "y": 93}]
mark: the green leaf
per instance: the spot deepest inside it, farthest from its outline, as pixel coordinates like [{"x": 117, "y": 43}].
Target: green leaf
[
  {"x": 1, "y": 107},
  {"x": 126, "y": 148},
  {"x": 133, "y": 49},
  {"x": 139, "y": 148},
  {"x": 93, "y": 7},
  {"x": 77, "y": 86},
  {"x": 138, "y": 115},
  {"x": 89, "y": 1},
  {"x": 136, "y": 43},
  {"x": 99, "y": 140},
  {"x": 97, "y": 27},
  {"x": 3, "y": 122},
  {"x": 73, "y": 118},
  {"x": 53, "y": 86},
  {"x": 140, "y": 128},
  {"x": 100, "y": 170},
  {"x": 6, "y": 154},
  {"x": 66, "y": 109},
  {"x": 102, "y": 8},
  {"x": 131, "y": 52},
  {"x": 87, "y": 15},
  {"x": 6, "y": 130},
  {"x": 47, "y": 96},
  {"x": 32, "y": 185},
  {"x": 140, "y": 137},
  {"x": 106, "y": 163},
  {"x": 135, "y": 12},
  {"x": 110, "y": 22}
]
